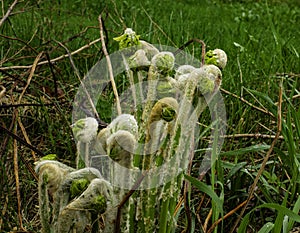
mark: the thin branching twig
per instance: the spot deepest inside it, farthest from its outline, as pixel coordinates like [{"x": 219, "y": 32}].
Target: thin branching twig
[
  {"x": 54, "y": 59},
  {"x": 23, "y": 142},
  {"x": 80, "y": 80},
  {"x": 53, "y": 75},
  {"x": 231, "y": 212},
  {"x": 20, "y": 40},
  {"x": 8, "y": 12},
  {"x": 247, "y": 102},
  {"x": 296, "y": 96},
  {"x": 26, "y": 137},
  {"x": 20, "y": 99},
  {"x": 207, "y": 219}
]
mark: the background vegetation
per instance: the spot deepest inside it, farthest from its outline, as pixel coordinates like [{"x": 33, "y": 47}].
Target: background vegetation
[{"x": 262, "y": 41}]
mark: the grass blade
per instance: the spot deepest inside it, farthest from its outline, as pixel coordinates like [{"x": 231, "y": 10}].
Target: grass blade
[
  {"x": 281, "y": 209},
  {"x": 245, "y": 150},
  {"x": 208, "y": 190},
  {"x": 266, "y": 228}
]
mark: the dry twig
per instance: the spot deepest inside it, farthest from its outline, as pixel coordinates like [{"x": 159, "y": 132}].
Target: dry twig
[
  {"x": 20, "y": 99},
  {"x": 16, "y": 172},
  {"x": 8, "y": 12},
  {"x": 247, "y": 102},
  {"x": 2, "y": 92},
  {"x": 245, "y": 135},
  {"x": 296, "y": 96},
  {"x": 81, "y": 83},
  {"x": 290, "y": 75},
  {"x": 26, "y": 137},
  {"x": 260, "y": 171},
  {"x": 231, "y": 212},
  {"x": 16, "y": 137},
  {"x": 208, "y": 217},
  {"x": 30, "y": 76},
  {"x": 110, "y": 70},
  {"x": 20, "y": 40},
  {"x": 54, "y": 59}
]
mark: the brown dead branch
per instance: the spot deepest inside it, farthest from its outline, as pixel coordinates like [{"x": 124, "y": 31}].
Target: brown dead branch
[
  {"x": 54, "y": 59},
  {"x": 8, "y": 12},
  {"x": 109, "y": 66},
  {"x": 247, "y": 102}
]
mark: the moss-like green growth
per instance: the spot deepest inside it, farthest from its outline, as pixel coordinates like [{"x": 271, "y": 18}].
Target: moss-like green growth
[
  {"x": 85, "y": 130},
  {"x": 216, "y": 57},
  {"x": 78, "y": 186},
  {"x": 99, "y": 204},
  {"x": 206, "y": 85},
  {"x": 166, "y": 109},
  {"x": 120, "y": 147},
  {"x": 128, "y": 39},
  {"x": 138, "y": 60},
  {"x": 45, "y": 179},
  {"x": 80, "y": 163},
  {"x": 166, "y": 88},
  {"x": 49, "y": 157},
  {"x": 163, "y": 62},
  {"x": 125, "y": 122},
  {"x": 168, "y": 114}
]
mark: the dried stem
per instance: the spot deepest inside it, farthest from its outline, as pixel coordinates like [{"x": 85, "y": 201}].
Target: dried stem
[
  {"x": 30, "y": 76},
  {"x": 110, "y": 70},
  {"x": 30, "y": 105},
  {"x": 53, "y": 75},
  {"x": 8, "y": 12},
  {"x": 231, "y": 212},
  {"x": 262, "y": 167},
  {"x": 16, "y": 172},
  {"x": 208, "y": 217},
  {"x": 245, "y": 135},
  {"x": 16, "y": 137},
  {"x": 2, "y": 92},
  {"x": 26, "y": 137},
  {"x": 20, "y": 40},
  {"x": 247, "y": 102},
  {"x": 81, "y": 83},
  {"x": 54, "y": 59},
  {"x": 296, "y": 96}
]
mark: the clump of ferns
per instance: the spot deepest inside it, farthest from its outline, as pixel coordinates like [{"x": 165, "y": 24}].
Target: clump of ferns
[{"x": 72, "y": 200}]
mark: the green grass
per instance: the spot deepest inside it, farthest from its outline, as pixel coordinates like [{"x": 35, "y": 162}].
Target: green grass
[{"x": 262, "y": 42}]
